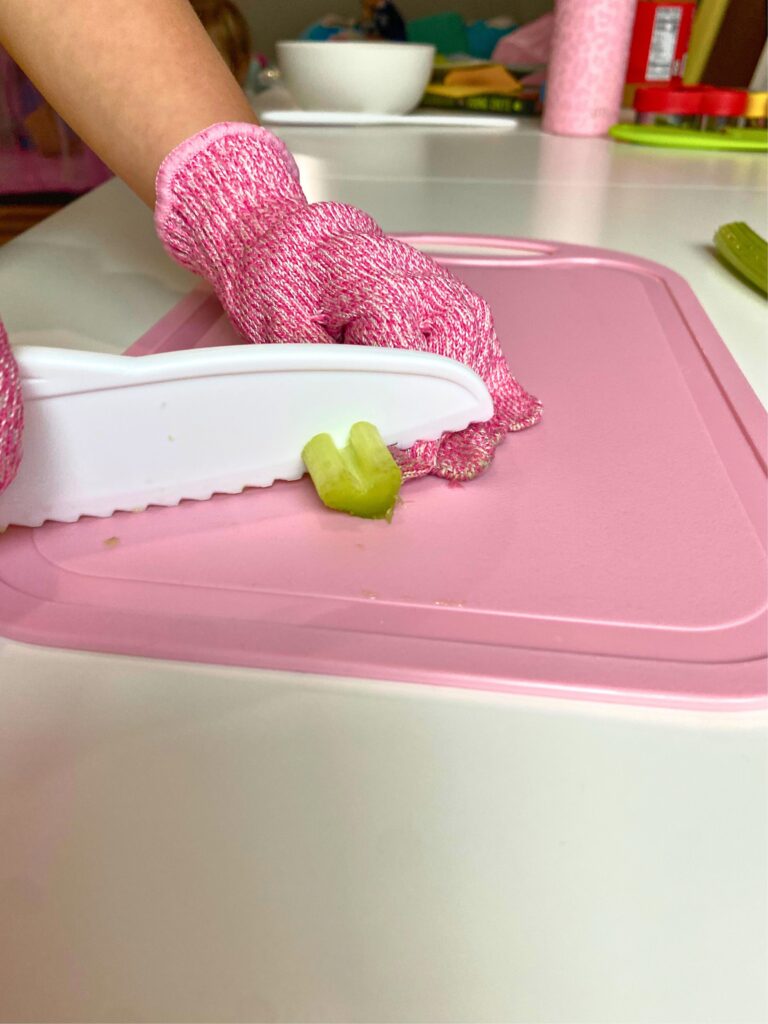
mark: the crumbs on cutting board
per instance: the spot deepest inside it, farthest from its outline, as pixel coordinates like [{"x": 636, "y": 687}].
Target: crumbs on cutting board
[{"x": 111, "y": 542}]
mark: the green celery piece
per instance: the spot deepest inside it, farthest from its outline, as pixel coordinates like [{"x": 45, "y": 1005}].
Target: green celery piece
[
  {"x": 362, "y": 479},
  {"x": 745, "y": 251}
]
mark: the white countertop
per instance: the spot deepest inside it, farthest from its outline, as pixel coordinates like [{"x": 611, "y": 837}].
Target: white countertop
[
  {"x": 107, "y": 279},
  {"x": 196, "y": 843}
]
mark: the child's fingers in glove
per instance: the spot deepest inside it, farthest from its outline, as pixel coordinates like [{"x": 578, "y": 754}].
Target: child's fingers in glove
[
  {"x": 514, "y": 407},
  {"x": 405, "y": 312},
  {"x": 296, "y": 326},
  {"x": 458, "y": 456}
]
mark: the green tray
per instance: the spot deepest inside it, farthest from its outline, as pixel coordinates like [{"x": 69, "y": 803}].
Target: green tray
[{"x": 753, "y": 140}]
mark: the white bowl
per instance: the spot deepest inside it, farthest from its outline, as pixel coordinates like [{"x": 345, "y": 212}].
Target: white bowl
[{"x": 368, "y": 78}]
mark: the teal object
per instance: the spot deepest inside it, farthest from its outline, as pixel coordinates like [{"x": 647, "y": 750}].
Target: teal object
[
  {"x": 745, "y": 140},
  {"x": 446, "y": 32},
  {"x": 482, "y": 38},
  {"x": 318, "y": 33}
]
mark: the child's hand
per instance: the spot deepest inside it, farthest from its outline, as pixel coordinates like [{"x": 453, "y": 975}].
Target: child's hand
[
  {"x": 11, "y": 413},
  {"x": 230, "y": 207}
]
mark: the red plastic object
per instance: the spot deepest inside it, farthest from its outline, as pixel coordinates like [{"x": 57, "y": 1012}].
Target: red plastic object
[
  {"x": 662, "y": 100},
  {"x": 615, "y": 552},
  {"x": 660, "y": 39},
  {"x": 723, "y": 102}
]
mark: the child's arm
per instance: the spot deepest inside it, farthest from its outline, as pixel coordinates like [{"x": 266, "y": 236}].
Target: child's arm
[
  {"x": 141, "y": 83},
  {"x": 133, "y": 78}
]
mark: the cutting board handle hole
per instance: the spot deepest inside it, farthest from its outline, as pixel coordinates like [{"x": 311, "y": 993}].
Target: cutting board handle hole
[{"x": 481, "y": 249}]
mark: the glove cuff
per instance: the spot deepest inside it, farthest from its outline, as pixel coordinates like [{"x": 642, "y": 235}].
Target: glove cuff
[{"x": 220, "y": 191}]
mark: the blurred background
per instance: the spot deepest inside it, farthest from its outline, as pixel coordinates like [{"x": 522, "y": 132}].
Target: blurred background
[
  {"x": 272, "y": 21},
  {"x": 492, "y": 57}
]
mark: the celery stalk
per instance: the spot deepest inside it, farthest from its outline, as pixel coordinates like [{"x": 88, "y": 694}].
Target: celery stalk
[
  {"x": 362, "y": 479},
  {"x": 746, "y": 251}
]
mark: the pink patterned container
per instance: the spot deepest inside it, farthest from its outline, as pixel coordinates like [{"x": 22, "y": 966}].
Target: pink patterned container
[{"x": 588, "y": 65}]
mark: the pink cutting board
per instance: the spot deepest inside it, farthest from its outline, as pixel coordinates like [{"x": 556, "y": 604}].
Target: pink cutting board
[{"x": 616, "y": 551}]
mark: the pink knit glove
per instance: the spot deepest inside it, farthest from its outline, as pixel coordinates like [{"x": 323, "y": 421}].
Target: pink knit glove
[
  {"x": 230, "y": 208},
  {"x": 11, "y": 413}
]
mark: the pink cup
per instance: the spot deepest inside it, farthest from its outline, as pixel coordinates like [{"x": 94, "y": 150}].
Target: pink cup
[{"x": 588, "y": 65}]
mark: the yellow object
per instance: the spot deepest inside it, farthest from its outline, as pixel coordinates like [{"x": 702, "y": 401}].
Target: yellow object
[
  {"x": 628, "y": 97},
  {"x": 706, "y": 24},
  {"x": 459, "y": 92},
  {"x": 493, "y": 78},
  {"x": 757, "y": 105}
]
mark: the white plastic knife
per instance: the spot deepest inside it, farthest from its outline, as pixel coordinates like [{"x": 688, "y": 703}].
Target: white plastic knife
[{"x": 111, "y": 432}]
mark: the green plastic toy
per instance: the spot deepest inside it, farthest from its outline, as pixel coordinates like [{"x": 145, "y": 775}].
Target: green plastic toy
[
  {"x": 362, "y": 479},
  {"x": 446, "y": 32},
  {"x": 745, "y": 251},
  {"x": 753, "y": 140}
]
